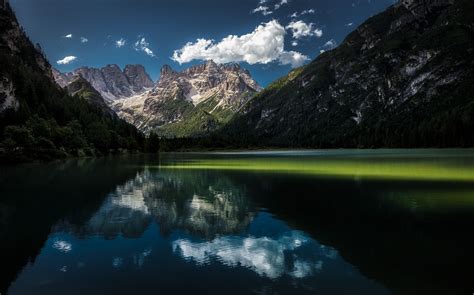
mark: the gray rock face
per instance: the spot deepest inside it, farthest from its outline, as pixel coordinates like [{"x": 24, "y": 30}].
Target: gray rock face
[
  {"x": 138, "y": 77},
  {"x": 110, "y": 81},
  {"x": 216, "y": 90}
]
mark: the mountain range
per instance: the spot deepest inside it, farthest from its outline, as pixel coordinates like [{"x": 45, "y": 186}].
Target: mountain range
[
  {"x": 404, "y": 78},
  {"x": 110, "y": 81},
  {"x": 193, "y": 102}
]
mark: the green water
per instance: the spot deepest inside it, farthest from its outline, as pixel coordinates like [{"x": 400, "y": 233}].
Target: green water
[{"x": 285, "y": 222}]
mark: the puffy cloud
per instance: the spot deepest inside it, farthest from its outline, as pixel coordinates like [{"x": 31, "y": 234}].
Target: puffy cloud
[
  {"x": 68, "y": 36},
  {"x": 262, "y": 1},
  {"x": 66, "y": 60},
  {"x": 293, "y": 58},
  {"x": 263, "y": 9},
  {"x": 143, "y": 45},
  {"x": 120, "y": 43},
  {"x": 84, "y": 40},
  {"x": 262, "y": 46},
  {"x": 301, "y": 29}
]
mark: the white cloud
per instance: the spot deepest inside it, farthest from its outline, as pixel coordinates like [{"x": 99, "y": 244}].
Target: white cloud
[
  {"x": 294, "y": 43},
  {"x": 262, "y": 1},
  {"x": 304, "y": 12},
  {"x": 280, "y": 4},
  {"x": 262, "y": 46},
  {"x": 84, "y": 40},
  {"x": 350, "y": 24},
  {"x": 263, "y": 9},
  {"x": 120, "y": 43},
  {"x": 68, "y": 36},
  {"x": 301, "y": 29},
  {"x": 293, "y": 58},
  {"x": 143, "y": 45},
  {"x": 318, "y": 33},
  {"x": 66, "y": 60},
  {"x": 331, "y": 44}
]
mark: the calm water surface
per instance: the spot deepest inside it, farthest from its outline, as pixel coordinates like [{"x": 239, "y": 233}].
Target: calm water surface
[{"x": 312, "y": 222}]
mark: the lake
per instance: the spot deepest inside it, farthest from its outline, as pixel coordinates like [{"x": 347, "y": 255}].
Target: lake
[{"x": 283, "y": 222}]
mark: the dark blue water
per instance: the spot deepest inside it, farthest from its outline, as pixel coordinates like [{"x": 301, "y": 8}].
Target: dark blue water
[{"x": 125, "y": 226}]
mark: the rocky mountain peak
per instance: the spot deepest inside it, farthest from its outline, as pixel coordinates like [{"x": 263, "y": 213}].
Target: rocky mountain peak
[
  {"x": 138, "y": 77},
  {"x": 166, "y": 71},
  {"x": 210, "y": 92},
  {"x": 210, "y": 64},
  {"x": 110, "y": 81}
]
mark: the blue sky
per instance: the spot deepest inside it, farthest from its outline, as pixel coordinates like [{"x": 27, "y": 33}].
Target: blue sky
[{"x": 268, "y": 37}]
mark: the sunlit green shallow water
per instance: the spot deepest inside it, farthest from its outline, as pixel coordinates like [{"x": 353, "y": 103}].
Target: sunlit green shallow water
[{"x": 285, "y": 222}]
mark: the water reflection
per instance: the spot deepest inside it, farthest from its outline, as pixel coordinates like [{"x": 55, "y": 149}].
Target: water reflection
[
  {"x": 269, "y": 257},
  {"x": 205, "y": 207},
  {"x": 122, "y": 226}
]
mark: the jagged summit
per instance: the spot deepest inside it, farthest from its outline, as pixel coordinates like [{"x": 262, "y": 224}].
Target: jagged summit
[
  {"x": 166, "y": 70},
  {"x": 211, "y": 91},
  {"x": 110, "y": 81}
]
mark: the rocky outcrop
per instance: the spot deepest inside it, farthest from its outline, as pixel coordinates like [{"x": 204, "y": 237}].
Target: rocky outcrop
[
  {"x": 15, "y": 44},
  {"x": 421, "y": 8},
  {"x": 192, "y": 102},
  {"x": 7, "y": 95},
  {"x": 403, "y": 78},
  {"x": 110, "y": 81},
  {"x": 138, "y": 77}
]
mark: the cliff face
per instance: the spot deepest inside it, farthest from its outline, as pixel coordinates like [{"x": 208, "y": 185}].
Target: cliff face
[
  {"x": 110, "y": 81},
  {"x": 403, "y": 78},
  {"x": 15, "y": 44},
  {"x": 193, "y": 102}
]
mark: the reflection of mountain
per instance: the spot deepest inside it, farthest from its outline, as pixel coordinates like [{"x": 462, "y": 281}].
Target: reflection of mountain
[
  {"x": 194, "y": 205},
  {"x": 36, "y": 197}
]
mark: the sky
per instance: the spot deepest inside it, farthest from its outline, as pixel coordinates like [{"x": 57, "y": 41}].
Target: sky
[{"x": 267, "y": 37}]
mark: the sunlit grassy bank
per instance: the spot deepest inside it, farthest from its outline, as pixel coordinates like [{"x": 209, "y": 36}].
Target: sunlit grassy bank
[{"x": 343, "y": 168}]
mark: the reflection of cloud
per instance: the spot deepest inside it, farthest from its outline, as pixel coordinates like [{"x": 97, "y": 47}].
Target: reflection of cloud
[
  {"x": 263, "y": 255},
  {"x": 139, "y": 259},
  {"x": 304, "y": 268},
  {"x": 62, "y": 246},
  {"x": 329, "y": 252},
  {"x": 117, "y": 262}
]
